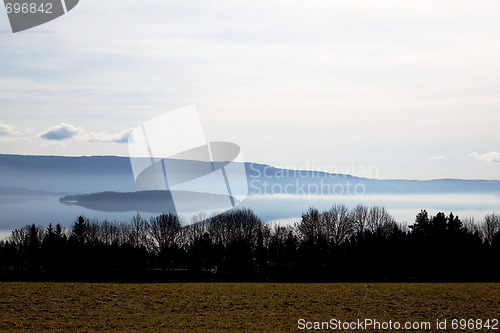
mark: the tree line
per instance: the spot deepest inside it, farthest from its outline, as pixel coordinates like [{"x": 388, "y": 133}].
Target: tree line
[{"x": 338, "y": 244}]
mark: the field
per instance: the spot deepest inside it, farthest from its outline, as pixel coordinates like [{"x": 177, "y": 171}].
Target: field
[{"x": 234, "y": 306}]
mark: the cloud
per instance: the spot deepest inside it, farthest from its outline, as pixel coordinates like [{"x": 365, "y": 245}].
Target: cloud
[
  {"x": 8, "y": 130},
  {"x": 65, "y": 131},
  {"x": 492, "y": 156},
  {"x": 120, "y": 137},
  {"x": 60, "y": 132},
  {"x": 440, "y": 157}
]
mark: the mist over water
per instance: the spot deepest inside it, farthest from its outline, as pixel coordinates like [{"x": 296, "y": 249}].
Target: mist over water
[
  {"x": 18, "y": 211},
  {"x": 402, "y": 207}
]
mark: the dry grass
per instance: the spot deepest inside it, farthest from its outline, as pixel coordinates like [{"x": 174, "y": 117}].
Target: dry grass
[{"x": 232, "y": 306}]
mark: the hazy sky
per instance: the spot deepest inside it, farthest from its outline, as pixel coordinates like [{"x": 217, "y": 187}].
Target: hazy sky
[{"x": 408, "y": 89}]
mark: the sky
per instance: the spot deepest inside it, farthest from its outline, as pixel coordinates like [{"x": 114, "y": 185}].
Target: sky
[{"x": 381, "y": 89}]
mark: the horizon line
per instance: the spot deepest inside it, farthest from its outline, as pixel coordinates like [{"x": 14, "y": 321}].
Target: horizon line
[{"x": 262, "y": 163}]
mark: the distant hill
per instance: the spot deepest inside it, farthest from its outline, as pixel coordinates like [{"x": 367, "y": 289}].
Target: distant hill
[
  {"x": 23, "y": 191},
  {"x": 93, "y": 174},
  {"x": 67, "y": 174},
  {"x": 320, "y": 183}
]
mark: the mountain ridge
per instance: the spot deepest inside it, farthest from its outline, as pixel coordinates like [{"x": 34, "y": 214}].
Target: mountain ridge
[{"x": 90, "y": 174}]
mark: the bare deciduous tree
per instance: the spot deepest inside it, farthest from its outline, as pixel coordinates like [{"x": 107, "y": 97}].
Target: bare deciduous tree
[
  {"x": 165, "y": 230},
  {"x": 490, "y": 227},
  {"x": 379, "y": 220},
  {"x": 337, "y": 224},
  {"x": 360, "y": 218}
]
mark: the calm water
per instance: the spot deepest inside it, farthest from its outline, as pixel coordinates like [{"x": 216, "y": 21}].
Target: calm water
[{"x": 17, "y": 211}]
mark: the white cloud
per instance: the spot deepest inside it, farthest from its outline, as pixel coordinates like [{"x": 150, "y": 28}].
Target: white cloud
[
  {"x": 65, "y": 131},
  {"x": 492, "y": 156},
  {"x": 60, "y": 132},
  {"x": 120, "y": 137},
  {"x": 440, "y": 157},
  {"x": 8, "y": 130}
]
